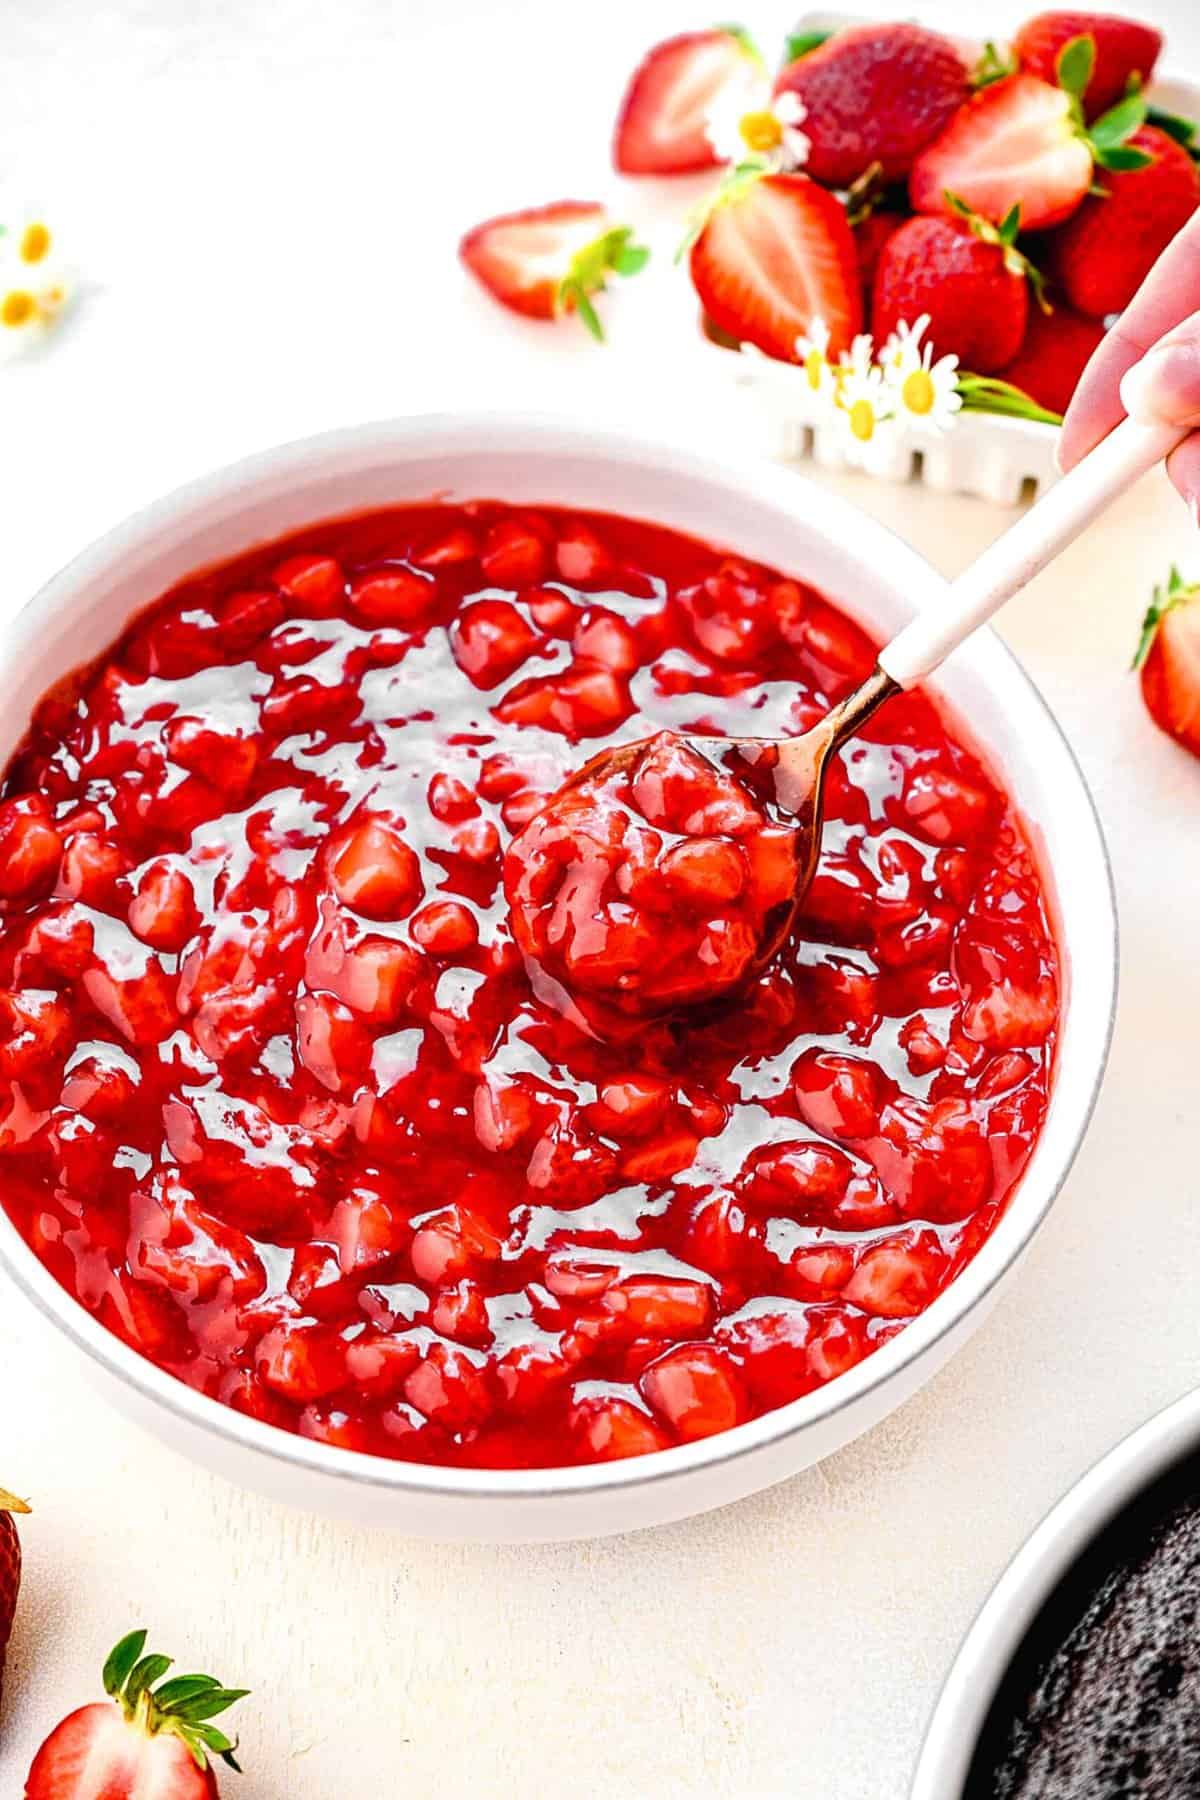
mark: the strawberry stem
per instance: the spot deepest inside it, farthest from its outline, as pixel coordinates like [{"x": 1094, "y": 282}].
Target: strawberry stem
[
  {"x": 1176, "y": 592},
  {"x": 10, "y": 1504},
  {"x": 184, "y": 1706},
  {"x": 612, "y": 253}
]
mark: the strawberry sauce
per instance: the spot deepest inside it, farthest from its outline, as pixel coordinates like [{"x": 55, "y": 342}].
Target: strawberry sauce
[{"x": 279, "y": 1104}]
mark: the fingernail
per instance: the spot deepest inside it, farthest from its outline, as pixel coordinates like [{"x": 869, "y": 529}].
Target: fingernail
[{"x": 1141, "y": 390}]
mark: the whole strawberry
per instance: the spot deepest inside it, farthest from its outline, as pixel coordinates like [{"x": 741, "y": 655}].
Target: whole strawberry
[
  {"x": 973, "y": 287},
  {"x": 1125, "y": 51},
  {"x": 144, "y": 1743},
  {"x": 1105, "y": 252},
  {"x": 10, "y": 1568},
  {"x": 874, "y": 94},
  {"x": 1058, "y": 345},
  {"x": 1169, "y": 659}
]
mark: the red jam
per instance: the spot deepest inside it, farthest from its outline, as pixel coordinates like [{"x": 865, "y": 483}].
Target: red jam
[
  {"x": 278, "y": 1102},
  {"x": 644, "y": 888}
]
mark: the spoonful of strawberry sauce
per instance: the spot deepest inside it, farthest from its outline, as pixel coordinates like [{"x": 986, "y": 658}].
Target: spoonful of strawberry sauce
[{"x": 664, "y": 874}]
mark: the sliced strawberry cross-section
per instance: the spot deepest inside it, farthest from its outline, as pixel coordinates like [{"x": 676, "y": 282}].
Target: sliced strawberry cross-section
[
  {"x": 549, "y": 260},
  {"x": 662, "y": 124},
  {"x": 775, "y": 253}
]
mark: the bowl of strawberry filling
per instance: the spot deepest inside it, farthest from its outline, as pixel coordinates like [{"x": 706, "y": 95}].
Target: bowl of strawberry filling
[{"x": 392, "y": 1108}]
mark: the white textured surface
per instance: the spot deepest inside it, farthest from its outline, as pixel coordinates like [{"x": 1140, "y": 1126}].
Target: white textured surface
[{"x": 259, "y": 207}]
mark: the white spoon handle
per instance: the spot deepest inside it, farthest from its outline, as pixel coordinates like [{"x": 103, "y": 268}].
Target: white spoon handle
[{"x": 1025, "y": 549}]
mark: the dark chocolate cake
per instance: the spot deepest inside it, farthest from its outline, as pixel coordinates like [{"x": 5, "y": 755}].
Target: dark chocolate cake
[{"x": 1102, "y": 1700}]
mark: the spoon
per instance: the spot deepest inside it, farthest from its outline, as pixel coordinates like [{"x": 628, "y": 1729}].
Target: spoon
[{"x": 789, "y": 773}]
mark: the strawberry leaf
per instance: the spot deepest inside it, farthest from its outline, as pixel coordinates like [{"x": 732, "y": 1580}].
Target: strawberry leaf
[
  {"x": 1119, "y": 122},
  {"x": 182, "y": 1687},
  {"x": 208, "y": 1705},
  {"x": 1123, "y": 157},
  {"x": 612, "y": 253},
  {"x": 1076, "y": 62},
  {"x": 1010, "y": 225},
  {"x": 1175, "y": 126},
  {"x": 742, "y": 36},
  {"x": 800, "y": 43},
  {"x": 121, "y": 1660},
  {"x": 143, "y": 1675},
  {"x": 1176, "y": 592},
  {"x": 992, "y": 66}
]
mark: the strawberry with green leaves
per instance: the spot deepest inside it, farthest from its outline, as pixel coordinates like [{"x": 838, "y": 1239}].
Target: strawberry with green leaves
[
  {"x": 1168, "y": 657},
  {"x": 549, "y": 260},
  {"x": 1124, "y": 52},
  {"x": 1106, "y": 250},
  {"x": 1021, "y": 141},
  {"x": 144, "y": 1742},
  {"x": 967, "y": 275},
  {"x": 1058, "y": 345}
]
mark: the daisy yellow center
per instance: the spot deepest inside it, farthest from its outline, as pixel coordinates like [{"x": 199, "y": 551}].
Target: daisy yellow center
[
  {"x": 17, "y": 308},
  {"x": 862, "y": 420},
  {"x": 35, "y": 243},
  {"x": 813, "y": 364},
  {"x": 761, "y": 131},
  {"x": 918, "y": 391}
]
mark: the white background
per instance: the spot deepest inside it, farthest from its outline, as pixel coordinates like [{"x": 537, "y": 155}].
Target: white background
[{"x": 265, "y": 200}]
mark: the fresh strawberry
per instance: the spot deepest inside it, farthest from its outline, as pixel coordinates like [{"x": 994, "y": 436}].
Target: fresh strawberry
[
  {"x": 870, "y": 235},
  {"x": 149, "y": 1744},
  {"x": 1169, "y": 659},
  {"x": 550, "y": 260},
  {"x": 1054, "y": 355},
  {"x": 10, "y": 1568},
  {"x": 1105, "y": 252},
  {"x": 971, "y": 282},
  {"x": 1015, "y": 143},
  {"x": 663, "y": 118},
  {"x": 1125, "y": 52},
  {"x": 874, "y": 94},
  {"x": 776, "y": 252}
]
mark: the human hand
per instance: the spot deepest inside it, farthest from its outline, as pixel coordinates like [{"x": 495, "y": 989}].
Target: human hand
[{"x": 1160, "y": 332}]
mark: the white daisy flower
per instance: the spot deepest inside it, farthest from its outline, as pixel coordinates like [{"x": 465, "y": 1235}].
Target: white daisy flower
[
  {"x": 865, "y": 412},
  {"x": 812, "y": 354},
  {"x": 902, "y": 350},
  {"x": 746, "y": 123},
  {"x": 924, "y": 391},
  {"x": 34, "y": 286}
]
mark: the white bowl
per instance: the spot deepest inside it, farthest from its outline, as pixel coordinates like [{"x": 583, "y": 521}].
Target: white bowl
[
  {"x": 764, "y": 514},
  {"x": 1030, "y": 1579}
]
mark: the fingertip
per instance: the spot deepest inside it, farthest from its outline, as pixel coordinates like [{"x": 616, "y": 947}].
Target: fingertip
[{"x": 1183, "y": 467}]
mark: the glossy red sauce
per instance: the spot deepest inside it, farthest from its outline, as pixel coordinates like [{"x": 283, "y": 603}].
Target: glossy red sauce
[{"x": 278, "y": 1103}]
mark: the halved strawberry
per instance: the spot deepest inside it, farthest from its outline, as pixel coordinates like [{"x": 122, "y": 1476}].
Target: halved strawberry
[
  {"x": 548, "y": 260},
  {"x": 1169, "y": 659},
  {"x": 775, "y": 253},
  {"x": 663, "y": 117},
  {"x": 1124, "y": 52},
  {"x": 1015, "y": 143},
  {"x": 153, "y": 1742}
]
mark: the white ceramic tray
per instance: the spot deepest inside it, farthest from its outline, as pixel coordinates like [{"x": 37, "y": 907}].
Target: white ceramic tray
[{"x": 996, "y": 458}]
